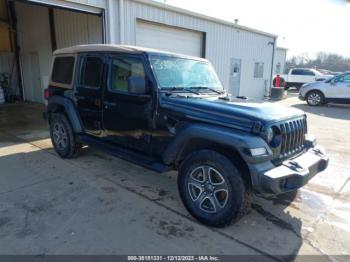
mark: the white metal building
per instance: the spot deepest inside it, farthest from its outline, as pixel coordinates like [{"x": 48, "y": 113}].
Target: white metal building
[
  {"x": 280, "y": 60},
  {"x": 243, "y": 57}
]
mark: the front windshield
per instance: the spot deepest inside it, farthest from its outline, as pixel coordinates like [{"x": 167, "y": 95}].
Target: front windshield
[
  {"x": 175, "y": 72},
  {"x": 316, "y": 72}
]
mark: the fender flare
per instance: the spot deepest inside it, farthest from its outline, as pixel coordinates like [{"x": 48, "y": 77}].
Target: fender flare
[
  {"x": 70, "y": 110},
  {"x": 237, "y": 140}
]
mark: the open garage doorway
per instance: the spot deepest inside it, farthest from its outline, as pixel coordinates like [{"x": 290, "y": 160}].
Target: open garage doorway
[{"x": 37, "y": 29}]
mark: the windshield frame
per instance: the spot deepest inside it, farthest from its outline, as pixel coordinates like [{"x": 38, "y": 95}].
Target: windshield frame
[
  {"x": 170, "y": 88},
  {"x": 317, "y": 73}
]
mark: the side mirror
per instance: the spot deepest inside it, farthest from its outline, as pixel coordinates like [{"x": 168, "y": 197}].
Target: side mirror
[
  {"x": 332, "y": 82},
  {"x": 137, "y": 85}
]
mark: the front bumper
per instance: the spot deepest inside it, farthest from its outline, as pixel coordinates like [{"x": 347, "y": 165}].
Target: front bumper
[
  {"x": 293, "y": 173},
  {"x": 301, "y": 97}
]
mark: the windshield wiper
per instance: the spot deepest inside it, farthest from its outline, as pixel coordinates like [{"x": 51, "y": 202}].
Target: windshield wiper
[
  {"x": 181, "y": 89},
  {"x": 207, "y": 88}
]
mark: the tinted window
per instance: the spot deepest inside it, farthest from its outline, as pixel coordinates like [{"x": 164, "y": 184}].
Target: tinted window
[
  {"x": 297, "y": 72},
  {"x": 347, "y": 78},
  {"x": 91, "y": 74},
  {"x": 303, "y": 72},
  {"x": 122, "y": 69},
  {"x": 62, "y": 71},
  {"x": 308, "y": 73},
  {"x": 343, "y": 79}
]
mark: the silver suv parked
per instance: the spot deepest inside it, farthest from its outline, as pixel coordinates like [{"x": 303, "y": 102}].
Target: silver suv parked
[{"x": 335, "y": 89}]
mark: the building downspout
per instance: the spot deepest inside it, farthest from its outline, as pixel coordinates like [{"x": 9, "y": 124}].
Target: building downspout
[
  {"x": 272, "y": 65},
  {"x": 121, "y": 21},
  {"x": 109, "y": 21}
]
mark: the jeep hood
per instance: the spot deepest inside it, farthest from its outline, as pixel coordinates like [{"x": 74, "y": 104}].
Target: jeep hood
[{"x": 233, "y": 112}]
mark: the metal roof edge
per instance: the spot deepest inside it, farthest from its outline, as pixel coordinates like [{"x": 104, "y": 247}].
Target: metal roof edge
[{"x": 204, "y": 17}]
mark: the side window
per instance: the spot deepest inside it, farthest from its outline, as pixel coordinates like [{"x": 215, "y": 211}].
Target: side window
[
  {"x": 343, "y": 79},
  {"x": 258, "y": 70},
  {"x": 62, "y": 71},
  {"x": 122, "y": 69},
  {"x": 297, "y": 72},
  {"x": 347, "y": 78},
  {"x": 91, "y": 72},
  {"x": 309, "y": 73}
]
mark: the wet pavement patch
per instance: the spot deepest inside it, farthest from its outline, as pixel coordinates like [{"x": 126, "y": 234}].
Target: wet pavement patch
[{"x": 274, "y": 219}]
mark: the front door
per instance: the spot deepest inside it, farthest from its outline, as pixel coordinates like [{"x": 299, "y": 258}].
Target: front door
[
  {"x": 88, "y": 92},
  {"x": 235, "y": 76},
  {"x": 340, "y": 90},
  {"x": 126, "y": 116}
]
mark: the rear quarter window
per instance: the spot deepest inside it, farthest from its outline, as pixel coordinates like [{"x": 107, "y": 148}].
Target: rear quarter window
[{"x": 62, "y": 70}]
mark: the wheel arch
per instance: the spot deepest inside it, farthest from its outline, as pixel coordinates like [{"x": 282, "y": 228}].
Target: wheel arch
[
  {"x": 64, "y": 105},
  {"x": 230, "y": 152},
  {"x": 317, "y": 90},
  {"x": 228, "y": 142}
]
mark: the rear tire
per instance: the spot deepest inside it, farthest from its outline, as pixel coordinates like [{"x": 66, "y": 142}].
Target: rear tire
[
  {"x": 62, "y": 136},
  {"x": 212, "y": 188},
  {"x": 314, "y": 98}
]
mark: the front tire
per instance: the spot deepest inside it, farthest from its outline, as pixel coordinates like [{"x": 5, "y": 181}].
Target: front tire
[
  {"x": 314, "y": 98},
  {"x": 62, "y": 136},
  {"x": 212, "y": 188}
]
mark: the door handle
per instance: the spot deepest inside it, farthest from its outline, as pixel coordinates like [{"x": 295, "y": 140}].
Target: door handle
[{"x": 106, "y": 103}]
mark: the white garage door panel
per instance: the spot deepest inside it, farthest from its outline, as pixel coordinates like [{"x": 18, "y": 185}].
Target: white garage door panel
[
  {"x": 74, "y": 28},
  {"x": 169, "y": 39}
]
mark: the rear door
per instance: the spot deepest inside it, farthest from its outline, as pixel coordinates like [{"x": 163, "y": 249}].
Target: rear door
[
  {"x": 296, "y": 76},
  {"x": 88, "y": 92},
  {"x": 309, "y": 76},
  {"x": 302, "y": 76}
]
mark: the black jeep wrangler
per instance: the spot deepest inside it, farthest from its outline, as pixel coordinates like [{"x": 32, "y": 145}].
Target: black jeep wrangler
[{"x": 166, "y": 111}]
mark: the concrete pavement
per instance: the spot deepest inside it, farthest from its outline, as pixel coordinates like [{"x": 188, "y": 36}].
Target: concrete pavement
[{"x": 99, "y": 204}]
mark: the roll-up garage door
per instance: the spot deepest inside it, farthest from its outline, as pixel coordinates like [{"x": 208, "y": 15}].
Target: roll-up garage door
[
  {"x": 73, "y": 28},
  {"x": 167, "y": 38}
]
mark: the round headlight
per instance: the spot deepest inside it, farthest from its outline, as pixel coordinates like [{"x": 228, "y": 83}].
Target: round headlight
[
  {"x": 269, "y": 135},
  {"x": 273, "y": 136}
]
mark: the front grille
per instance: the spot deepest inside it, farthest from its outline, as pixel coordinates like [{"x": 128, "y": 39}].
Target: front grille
[{"x": 293, "y": 137}]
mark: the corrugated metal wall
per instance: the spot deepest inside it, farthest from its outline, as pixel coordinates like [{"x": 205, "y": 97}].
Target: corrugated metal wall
[
  {"x": 97, "y": 3},
  {"x": 8, "y": 65},
  {"x": 77, "y": 28},
  {"x": 34, "y": 39},
  {"x": 280, "y": 57},
  {"x": 35, "y": 52},
  {"x": 7, "y": 62},
  {"x": 223, "y": 42}
]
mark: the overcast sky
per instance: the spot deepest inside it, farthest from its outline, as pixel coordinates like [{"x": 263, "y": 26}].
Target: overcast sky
[{"x": 302, "y": 25}]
